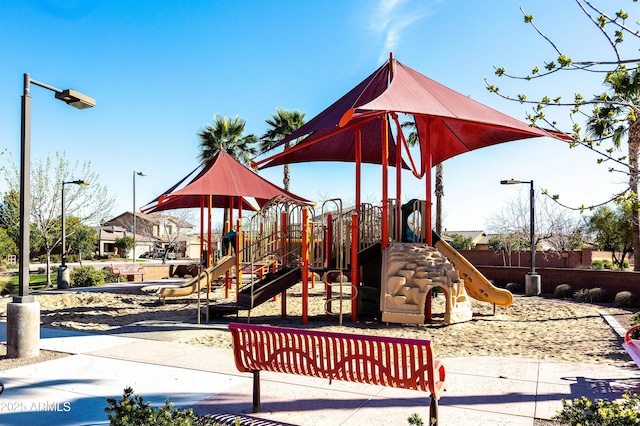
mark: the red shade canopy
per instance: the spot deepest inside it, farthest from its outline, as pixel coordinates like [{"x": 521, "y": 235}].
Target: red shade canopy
[
  {"x": 164, "y": 203},
  {"x": 448, "y": 122},
  {"x": 338, "y": 143},
  {"x": 227, "y": 180}
]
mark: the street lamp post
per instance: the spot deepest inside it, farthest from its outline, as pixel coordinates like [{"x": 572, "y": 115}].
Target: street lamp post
[
  {"x": 23, "y": 313},
  {"x": 533, "y": 281},
  {"x": 63, "y": 271},
  {"x": 134, "y": 211}
]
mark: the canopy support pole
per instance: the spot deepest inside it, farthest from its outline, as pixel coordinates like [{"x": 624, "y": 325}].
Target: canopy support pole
[{"x": 385, "y": 183}]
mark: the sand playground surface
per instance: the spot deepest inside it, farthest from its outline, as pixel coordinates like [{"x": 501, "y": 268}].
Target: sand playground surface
[{"x": 532, "y": 327}]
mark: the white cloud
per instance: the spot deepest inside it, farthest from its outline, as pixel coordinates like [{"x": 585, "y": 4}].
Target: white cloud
[{"x": 392, "y": 17}]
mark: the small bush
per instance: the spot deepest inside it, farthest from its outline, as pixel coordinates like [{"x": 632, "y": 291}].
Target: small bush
[
  {"x": 583, "y": 411},
  {"x": 593, "y": 295},
  {"x": 6, "y": 287},
  {"x": 515, "y": 288},
  {"x": 86, "y": 276},
  {"x": 600, "y": 264},
  {"x": 133, "y": 410},
  {"x": 636, "y": 321},
  {"x": 626, "y": 299},
  {"x": 563, "y": 291},
  {"x": 109, "y": 276}
]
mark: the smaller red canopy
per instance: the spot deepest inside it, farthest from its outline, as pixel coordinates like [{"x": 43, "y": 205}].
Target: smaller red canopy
[
  {"x": 227, "y": 180},
  {"x": 195, "y": 201}
]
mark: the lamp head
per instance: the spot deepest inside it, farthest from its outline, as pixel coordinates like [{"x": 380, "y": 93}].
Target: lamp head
[
  {"x": 80, "y": 182},
  {"x": 140, "y": 173},
  {"x": 510, "y": 182},
  {"x": 76, "y": 99}
]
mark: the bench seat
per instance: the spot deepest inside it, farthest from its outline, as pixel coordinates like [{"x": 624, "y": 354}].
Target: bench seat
[
  {"x": 129, "y": 271},
  {"x": 385, "y": 361}
]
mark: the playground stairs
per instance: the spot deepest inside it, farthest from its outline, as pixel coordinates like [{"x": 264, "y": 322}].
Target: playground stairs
[{"x": 255, "y": 294}]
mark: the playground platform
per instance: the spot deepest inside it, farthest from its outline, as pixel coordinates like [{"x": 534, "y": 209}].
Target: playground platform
[{"x": 481, "y": 390}]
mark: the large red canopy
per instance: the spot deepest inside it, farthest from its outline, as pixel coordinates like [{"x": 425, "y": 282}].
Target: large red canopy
[
  {"x": 448, "y": 122},
  {"x": 338, "y": 144},
  {"x": 227, "y": 181}
]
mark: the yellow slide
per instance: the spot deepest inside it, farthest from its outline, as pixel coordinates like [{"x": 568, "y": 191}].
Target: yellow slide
[
  {"x": 220, "y": 267},
  {"x": 476, "y": 284}
]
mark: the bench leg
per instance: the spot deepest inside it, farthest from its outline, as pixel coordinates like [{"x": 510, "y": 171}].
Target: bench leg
[
  {"x": 256, "y": 391},
  {"x": 433, "y": 412}
]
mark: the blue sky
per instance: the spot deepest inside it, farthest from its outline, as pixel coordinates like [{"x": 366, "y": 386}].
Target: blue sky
[{"x": 160, "y": 70}]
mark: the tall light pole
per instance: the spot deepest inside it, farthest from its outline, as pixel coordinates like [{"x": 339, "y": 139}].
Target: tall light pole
[
  {"x": 134, "y": 211},
  {"x": 23, "y": 313},
  {"x": 533, "y": 282},
  {"x": 63, "y": 272}
]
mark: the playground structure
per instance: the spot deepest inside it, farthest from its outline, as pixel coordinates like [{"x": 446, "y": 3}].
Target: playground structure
[
  {"x": 386, "y": 260},
  {"x": 284, "y": 244}
]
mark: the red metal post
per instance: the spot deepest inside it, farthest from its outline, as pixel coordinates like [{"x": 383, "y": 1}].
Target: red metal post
[
  {"x": 355, "y": 279},
  {"x": 385, "y": 183},
  {"x": 201, "y": 227},
  {"x": 398, "y": 219},
  {"x": 305, "y": 266},
  {"x": 358, "y": 149},
  {"x": 208, "y": 263}
]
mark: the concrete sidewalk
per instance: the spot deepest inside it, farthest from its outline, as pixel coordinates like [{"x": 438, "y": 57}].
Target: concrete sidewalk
[{"x": 480, "y": 390}]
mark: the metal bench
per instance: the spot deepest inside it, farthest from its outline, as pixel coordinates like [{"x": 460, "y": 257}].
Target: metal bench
[
  {"x": 128, "y": 271},
  {"x": 632, "y": 345},
  {"x": 385, "y": 361}
]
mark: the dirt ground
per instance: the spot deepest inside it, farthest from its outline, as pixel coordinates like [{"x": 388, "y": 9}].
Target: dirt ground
[{"x": 532, "y": 327}]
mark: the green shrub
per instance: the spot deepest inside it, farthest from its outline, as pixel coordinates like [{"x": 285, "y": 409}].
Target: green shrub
[
  {"x": 6, "y": 286},
  {"x": 583, "y": 411},
  {"x": 593, "y": 295},
  {"x": 563, "y": 291},
  {"x": 514, "y": 287},
  {"x": 86, "y": 276},
  {"x": 626, "y": 299},
  {"x": 636, "y": 321},
  {"x": 133, "y": 410},
  {"x": 600, "y": 264},
  {"x": 108, "y": 275}
]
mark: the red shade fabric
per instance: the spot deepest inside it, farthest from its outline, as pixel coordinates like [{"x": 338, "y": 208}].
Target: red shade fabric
[
  {"x": 325, "y": 140},
  {"x": 448, "y": 122},
  {"x": 454, "y": 123},
  {"x": 164, "y": 203},
  {"x": 227, "y": 180}
]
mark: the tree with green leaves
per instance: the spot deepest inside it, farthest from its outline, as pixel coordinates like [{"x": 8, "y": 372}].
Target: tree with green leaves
[
  {"x": 228, "y": 134},
  {"x": 91, "y": 204},
  {"x": 612, "y": 116},
  {"x": 80, "y": 239},
  {"x": 7, "y": 245},
  {"x": 124, "y": 244},
  {"x": 282, "y": 124},
  {"x": 10, "y": 214},
  {"x": 615, "y": 118},
  {"x": 612, "y": 231},
  {"x": 460, "y": 242}
]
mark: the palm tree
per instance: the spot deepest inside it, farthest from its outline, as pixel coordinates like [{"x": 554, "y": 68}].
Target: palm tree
[
  {"x": 228, "y": 134},
  {"x": 615, "y": 115},
  {"x": 413, "y": 140},
  {"x": 282, "y": 123}
]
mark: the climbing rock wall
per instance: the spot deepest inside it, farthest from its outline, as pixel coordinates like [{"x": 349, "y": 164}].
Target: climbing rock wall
[{"x": 409, "y": 271}]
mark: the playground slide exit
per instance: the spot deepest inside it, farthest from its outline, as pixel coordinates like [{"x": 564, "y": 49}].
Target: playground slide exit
[
  {"x": 476, "y": 284},
  {"x": 220, "y": 267}
]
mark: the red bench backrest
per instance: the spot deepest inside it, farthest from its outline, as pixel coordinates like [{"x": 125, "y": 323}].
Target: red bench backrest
[{"x": 385, "y": 361}]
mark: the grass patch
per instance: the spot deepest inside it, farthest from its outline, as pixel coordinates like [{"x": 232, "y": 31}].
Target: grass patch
[{"x": 36, "y": 281}]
